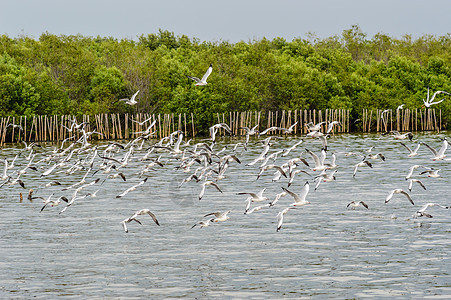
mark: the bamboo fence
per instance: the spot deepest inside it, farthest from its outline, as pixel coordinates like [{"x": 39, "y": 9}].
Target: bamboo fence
[{"x": 127, "y": 126}]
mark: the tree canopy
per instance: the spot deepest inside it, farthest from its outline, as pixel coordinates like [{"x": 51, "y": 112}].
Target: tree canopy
[{"x": 86, "y": 75}]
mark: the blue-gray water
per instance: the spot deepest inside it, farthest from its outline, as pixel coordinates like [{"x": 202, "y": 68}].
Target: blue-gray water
[{"x": 323, "y": 250}]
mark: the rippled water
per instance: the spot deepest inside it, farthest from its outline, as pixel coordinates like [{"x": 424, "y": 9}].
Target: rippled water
[{"x": 323, "y": 249}]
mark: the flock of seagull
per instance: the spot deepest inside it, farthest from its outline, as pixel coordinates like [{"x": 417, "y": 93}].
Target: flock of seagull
[{"x": 203, "y": 166}]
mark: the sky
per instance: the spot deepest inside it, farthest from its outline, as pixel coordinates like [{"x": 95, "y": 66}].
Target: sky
[{"x": 230, "y": 20}]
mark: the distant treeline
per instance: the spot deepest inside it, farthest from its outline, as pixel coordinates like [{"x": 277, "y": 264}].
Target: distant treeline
[{"x": 61, "y": 75}]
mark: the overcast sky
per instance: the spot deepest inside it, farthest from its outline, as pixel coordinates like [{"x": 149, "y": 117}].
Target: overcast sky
[{"x": 230, "y": 20}]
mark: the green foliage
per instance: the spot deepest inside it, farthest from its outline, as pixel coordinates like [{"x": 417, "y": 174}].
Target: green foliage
[{"x": 76, "y": 74}]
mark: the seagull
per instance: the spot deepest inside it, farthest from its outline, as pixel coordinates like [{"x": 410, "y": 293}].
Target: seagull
[
  {"x": 431, "y": 173},
  {"x": 422, "y": 213},
  {"x": 52, "y": 202},
  {"x": 219, "y": 216},
  {"x": 269, "y": 167},
  {"x": 293, "y": 175},
  {"x": 398, "y": 136},
  {"x": 355, "y": 204},
  {"x": 141, "y": 123},
  {"x": 376, "y": 156},
  {"x": 411, "y": 169},
  {"x": 287, "y": 151},
  {"x": 213, "y": 129},
  {"x": 363, "y": 163},
  {"x": 30, "y": 146},
  {"x": 141, "y": 212},
  {"x": 324, "y": 177},
  {"x": 314, "y": 127},
  {"x": 5, "y": 176},
  {"x": 319, "y": 161},
  {"x": 130, "y": 101},
  {"x": 203, "y": 224},
  {"x": 440, "y": 154},
  {"x": 257, "y": 208},
  {"x": 430, "y": 102},
  {"x": 255, "y": 197},
  {"x": 249, "y": 132},
  {"x": 202, "y": 81},
  {"x": 132, "y": 188},
  {"x": 289, "y": 129},
  {"x": 398, "y": 191},
  {"x": 330, "y": 126},
  {"x": 144, "y": 211},
  {"x": 124, "y": 223},
  {"x": 411, "y": 181},
  {"x": 280, "y": 217},
  {"x": 15, "y": 126},
  {"x": 277, "y": 198},
  {"x": 412, "y": 153},
  {"x": 204, "y": 184},
  {"x": 299, "y": 200}
]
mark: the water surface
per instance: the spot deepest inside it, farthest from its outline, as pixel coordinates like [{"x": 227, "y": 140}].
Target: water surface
[{"x": 323, "y": 249}]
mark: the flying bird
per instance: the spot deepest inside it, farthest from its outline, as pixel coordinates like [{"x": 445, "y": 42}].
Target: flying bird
[
  {"x": 202, "y": 81},
  {"x": 398, "y": 191},
  {"x": 141, "y": 212},
  {"x": 130, "y": 101},
  {"x": 421, "y": 212},
  {"x": 280, "y": 217},
  {"x": 355, "y": 204}
]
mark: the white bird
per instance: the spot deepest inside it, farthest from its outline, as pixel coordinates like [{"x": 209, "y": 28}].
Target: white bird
[
  {"x": 299, "y": 200},
  {"x": 290, "y": 129},
  {"x": 324, "y": 177},
  {"x": 355, "y": 204},
  {"x": 400, "y": 107},
  {"x": 213, "y": 129},
  {"x": 432, "y": 173},
  {"x": 203, "y": 224},
  {"x": 319, "y": 161},
  {"x": 428, "y": 102},
  {"x": 273, "y": 128},
  {"x": 124, "y": 223},
  {"x": 280, "y": 217},
  {"x": 411, "y": 169},
  {"x": 269, "y": 167},
  {"x": 145, "y": 211},
  {"x": 421, "y": 212},
  {"x": 257, "y": 208},
  {"x": 255, "y": 197},
  {"x": 330, "y": 126},
  {"x": 132, "y": 188},
  {"x": 219, "y": 216},
  {"x": 143, "y": 122},
  {"x": 440, "y": 154},
  {"x": 293, "y": 175},
  {"x": 314, "y": 127},
  {"x": 249, "y": 132},
  {"x": 411, "y": 181},
  {"x": 5, "y": 176},
  {"x": 412, "y": 153},
  {"x": 204, "y": 184},
  {"x": 202, "y": 81},
  {"x": 378, "y": 155},
  {"x": 277, "y": 198},
  {"x": 363, "y": 163},
  {"x": 141, "y": 212},
  {"x": 398, "y": 136},
  {"x": 288, "y": 150},
  {"x": 130, "y": 101},
  {"x": 52, "y": 202},
  {"x": 398, "y": 191}
]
